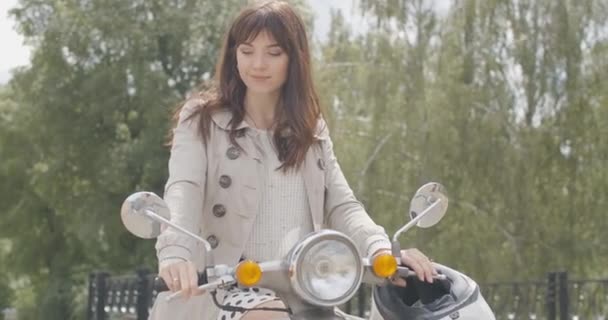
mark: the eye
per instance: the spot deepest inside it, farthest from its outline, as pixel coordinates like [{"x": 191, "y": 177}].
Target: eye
[
  {"x": 275, "y": 53},
  {"x": 245, "y": 49}
]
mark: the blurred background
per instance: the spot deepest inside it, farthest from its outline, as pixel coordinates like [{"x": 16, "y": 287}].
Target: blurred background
[{"x": 503, "y": 102}]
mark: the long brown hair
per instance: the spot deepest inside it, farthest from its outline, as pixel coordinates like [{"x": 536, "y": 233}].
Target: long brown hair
[{"x": 298, "y": 111}]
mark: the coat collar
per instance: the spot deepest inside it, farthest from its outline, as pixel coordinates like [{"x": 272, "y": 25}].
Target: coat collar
[{"x": 223, "y": 117}]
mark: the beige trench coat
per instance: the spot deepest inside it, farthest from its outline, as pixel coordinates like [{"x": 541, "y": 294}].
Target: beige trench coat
[{"x": 212, "y": 190}]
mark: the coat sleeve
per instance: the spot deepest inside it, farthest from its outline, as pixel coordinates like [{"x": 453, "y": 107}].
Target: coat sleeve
[
  {"x": 343, "y": 212},
  {"x": 184, "y": 190}
]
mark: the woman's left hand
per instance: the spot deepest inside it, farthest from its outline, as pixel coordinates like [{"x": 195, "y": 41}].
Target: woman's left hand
[{"x": 418, "y": 262}]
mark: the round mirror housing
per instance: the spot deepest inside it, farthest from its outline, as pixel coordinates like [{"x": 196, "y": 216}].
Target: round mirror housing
[
  {"x": 137, "y": 220},
  {"x": 426, "y": 196}
]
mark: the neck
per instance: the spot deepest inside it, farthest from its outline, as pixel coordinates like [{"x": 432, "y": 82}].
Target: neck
[{"x": 261, "y": 109}]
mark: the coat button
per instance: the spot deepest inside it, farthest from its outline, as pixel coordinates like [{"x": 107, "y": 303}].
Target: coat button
[
  {"x": 321, "y": 164},
  {"x": 233, "y": 153},
  {"x": 213, "y": 241},
  {"x": 219, "y": 210},
  {"x": 225, "y": 181}
]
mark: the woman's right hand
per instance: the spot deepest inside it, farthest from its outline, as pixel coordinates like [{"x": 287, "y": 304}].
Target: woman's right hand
[{"x": 181, "y": 276}]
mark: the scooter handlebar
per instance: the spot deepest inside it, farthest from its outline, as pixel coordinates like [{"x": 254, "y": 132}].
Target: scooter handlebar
[
  {"x": 405, "y": 272},
  {"x": 160, "y": 285}
]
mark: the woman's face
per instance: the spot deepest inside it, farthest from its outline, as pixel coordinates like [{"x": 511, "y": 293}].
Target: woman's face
[{"x": 262, "y": 64}]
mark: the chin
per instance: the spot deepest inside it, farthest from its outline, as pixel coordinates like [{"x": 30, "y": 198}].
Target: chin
[{"x": 262, "y": 89}]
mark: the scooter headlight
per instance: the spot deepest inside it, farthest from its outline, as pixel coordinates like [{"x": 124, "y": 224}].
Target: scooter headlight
[{"x": 326, "y": 268}]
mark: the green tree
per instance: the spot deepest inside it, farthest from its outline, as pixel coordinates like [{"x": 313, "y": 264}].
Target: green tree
[
  {"x": 7, "y": 107},
  {"x": 502, "y": 101}
]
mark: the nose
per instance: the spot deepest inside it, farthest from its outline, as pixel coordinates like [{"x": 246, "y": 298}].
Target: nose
[{"x": 259, "y": 62}]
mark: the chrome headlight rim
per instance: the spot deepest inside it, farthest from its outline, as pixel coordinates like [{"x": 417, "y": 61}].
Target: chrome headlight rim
[{"x": 299, "y": 253}]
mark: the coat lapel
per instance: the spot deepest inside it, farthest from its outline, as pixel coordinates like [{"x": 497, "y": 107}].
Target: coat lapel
[
  {"x": 314, "y": 176},
  {"x": 315, "y": 187}
]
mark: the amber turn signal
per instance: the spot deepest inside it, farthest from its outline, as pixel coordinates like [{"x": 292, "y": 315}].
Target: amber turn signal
[
  {"x": 248, "y": 273},
  {"x": 384, "y": 265}
]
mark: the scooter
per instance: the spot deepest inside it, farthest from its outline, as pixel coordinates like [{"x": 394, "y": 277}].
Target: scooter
[{"x": 322, "y": 271}]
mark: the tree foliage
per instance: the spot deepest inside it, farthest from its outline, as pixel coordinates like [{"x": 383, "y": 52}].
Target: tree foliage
[{"x": 504, "y": 102}]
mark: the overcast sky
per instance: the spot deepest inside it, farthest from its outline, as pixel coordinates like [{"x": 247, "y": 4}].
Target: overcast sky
[{"x": 13, "y": 52}]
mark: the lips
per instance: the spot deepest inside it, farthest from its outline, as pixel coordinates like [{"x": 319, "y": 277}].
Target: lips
[{"x": 259, "y": 77}]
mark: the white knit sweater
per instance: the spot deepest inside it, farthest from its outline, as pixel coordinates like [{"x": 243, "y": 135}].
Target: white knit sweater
[{"x": 284, "y": 215}]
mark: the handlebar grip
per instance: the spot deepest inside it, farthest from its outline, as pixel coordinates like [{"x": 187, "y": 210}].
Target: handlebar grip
[
  {"x": 405, "y": 272},
  {"x": 160, "y": 285}
]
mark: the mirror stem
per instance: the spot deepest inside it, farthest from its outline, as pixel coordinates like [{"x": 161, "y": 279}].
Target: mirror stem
[
  {"x": 396, "y": 247},
  {"x": 396, "y": 250},
  {"x": 156, "y": 217}
]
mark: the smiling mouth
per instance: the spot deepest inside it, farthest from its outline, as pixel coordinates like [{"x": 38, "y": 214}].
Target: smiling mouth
[{"x": 259, "y": 78}]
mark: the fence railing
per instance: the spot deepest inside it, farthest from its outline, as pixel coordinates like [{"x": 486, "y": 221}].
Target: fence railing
[
  {"x": 120, "y": 296},
  {"x": 555, "y": 298}
]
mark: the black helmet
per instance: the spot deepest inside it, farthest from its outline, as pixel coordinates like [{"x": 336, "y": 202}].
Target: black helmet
[{"x": 456, "y": 297}]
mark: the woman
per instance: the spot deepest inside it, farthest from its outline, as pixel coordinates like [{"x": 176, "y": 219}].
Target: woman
[{"x": 252, "y": 165}]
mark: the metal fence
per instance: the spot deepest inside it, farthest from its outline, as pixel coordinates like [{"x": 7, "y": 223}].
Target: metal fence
[
  {"x": 556, "y": 297},
  {"x": 120, "y": 297}
]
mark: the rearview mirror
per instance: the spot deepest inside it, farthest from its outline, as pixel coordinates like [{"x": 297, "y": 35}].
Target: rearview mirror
[
  {"x": 135, "y": 218},
  {"x": 424, "y": 198}
]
